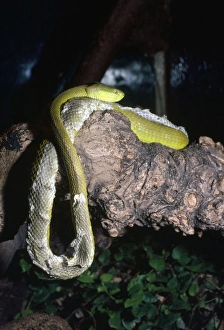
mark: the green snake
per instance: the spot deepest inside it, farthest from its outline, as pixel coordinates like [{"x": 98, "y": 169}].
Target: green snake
[{"x": 42, "y": 192}]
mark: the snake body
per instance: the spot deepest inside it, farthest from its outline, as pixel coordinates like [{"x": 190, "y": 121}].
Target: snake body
[{"x": 45, "y": 169}]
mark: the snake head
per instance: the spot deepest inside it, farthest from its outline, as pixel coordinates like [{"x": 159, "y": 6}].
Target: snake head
[{"x": 103, "y": 92}]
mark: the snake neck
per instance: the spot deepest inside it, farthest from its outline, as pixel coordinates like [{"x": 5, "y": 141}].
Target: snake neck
[{"x": 69, "y": 155}]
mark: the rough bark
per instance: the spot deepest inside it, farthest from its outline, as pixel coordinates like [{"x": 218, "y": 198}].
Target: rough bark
[
  {"x": 129, "y": 183},
  {"x": 39, "y": 321},
  {"x": 151, "y": 185}
]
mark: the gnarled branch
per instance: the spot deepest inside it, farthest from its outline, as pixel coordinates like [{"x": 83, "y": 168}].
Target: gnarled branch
[{"x": 129, "y": 182}]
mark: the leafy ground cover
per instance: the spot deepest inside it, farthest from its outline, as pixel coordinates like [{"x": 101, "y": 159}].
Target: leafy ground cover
[{"x": 133, "y": 285}]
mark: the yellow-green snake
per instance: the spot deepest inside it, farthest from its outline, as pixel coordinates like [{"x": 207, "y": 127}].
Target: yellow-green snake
[{"x": 148, "y": 128}]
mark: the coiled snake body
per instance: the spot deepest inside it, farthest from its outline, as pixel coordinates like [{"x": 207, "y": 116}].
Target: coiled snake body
[{"x": 44, "y": 172}]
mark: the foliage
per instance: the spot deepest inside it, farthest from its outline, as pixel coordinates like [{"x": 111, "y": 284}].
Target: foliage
[{"x": 132, "y": 286}]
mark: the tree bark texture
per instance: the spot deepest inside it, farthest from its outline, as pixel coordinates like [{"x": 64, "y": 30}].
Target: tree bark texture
[
  {"x": 37, "y": 321},
  {"x": 132, "y": 183}
]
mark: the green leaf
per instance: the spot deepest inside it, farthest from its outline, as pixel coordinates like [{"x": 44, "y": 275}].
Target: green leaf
[
  {"x": 199, "y": 267},
  {"x": 180, "y": 253},
  {"x": 182, "y": 272},
  {"x": 162, "y": 279},
  {"x": 202, "y": 303},
  {"x": 145, "y": 309},
  {"x": 50, "y": 308},
  {"x": 115, "y": 320},
  {"x": 173, "y": 283},
  {"x": 131, "y": 302},
  {"x": 146, "y": 326},
  {"x": 41, "y": 295},
  {"x": 101, "y": 288},
  {"x": 157, "y": 263},
  {"x": 194, "y": 289},
  {"x": 136, "y": 299},
  {"x": 104, "y": 257},
  {"x": 185, "y": 281},
  {"x": 27, "y": 312},
  {"x": 184, "y": 297},
  {"x": 106, "y": 277},
  {"x": 100, "y": 299},
  {"x": 154, "y": 288},
  {"x": 25, "y": 266},
  {"x": 41, "y": 275},
  {"x": 100, "y": 308},
  {"x": 86, "y": 277},
  {"x": 180, "y": 269},
  {"x": 24, "y": 313},
  {"x": 139, "y": 311},
  {"x": 148, "y": 297},
  {"x": 126, "y": 252},
  {"x": 149, "y": 251},
  {"x": 152, "y": 312},
  {"x": 114, "y": 291},
  {"x": 54, "y": 287},
  {"x": 58, "y": 288},
  {"x": 129, "y": 325},
  {"x": 179, "y": 304},
  {"x": 167, "y": 320},
  {"x": 136, "y": 283},
  {"x": 135, "y": 288},
  {"x": 181, "y": 324},
  {"x": 165, "y": 309},
  {"x": 213, "y": 323},
  {"x": 151, "y": 277}
]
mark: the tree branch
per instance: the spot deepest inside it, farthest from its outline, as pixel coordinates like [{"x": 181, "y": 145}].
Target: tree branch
[
  {"x": 129, "y": 183},
  {"x": 109, "y": 41},
  {"x": 149, "y": 184}
]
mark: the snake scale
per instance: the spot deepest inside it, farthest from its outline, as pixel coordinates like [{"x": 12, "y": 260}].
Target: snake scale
[{"x": 148, "y": 128}]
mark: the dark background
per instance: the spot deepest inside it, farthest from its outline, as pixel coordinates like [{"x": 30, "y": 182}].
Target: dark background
[{"x": 43, "y": 42}]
